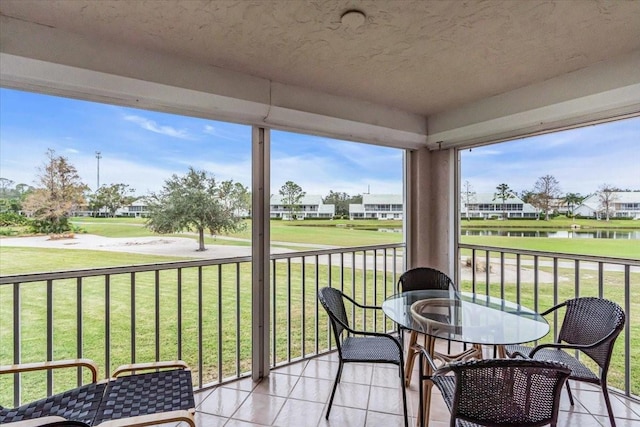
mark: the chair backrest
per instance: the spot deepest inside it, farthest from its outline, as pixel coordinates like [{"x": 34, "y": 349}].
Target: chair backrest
[
  {"x": 589, "y": 320},
  {"x": 508, "y": 392},
  {"x": 424, "y": 278},
  {"x": 333, "y": 302}
]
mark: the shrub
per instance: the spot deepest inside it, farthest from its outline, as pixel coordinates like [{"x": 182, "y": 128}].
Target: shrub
[{"x": 11, "y": 218}]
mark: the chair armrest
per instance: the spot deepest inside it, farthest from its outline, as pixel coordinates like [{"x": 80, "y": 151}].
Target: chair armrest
[
  {"x": 54, "y": 364},
  {"x": 35, "y": 422},
  {"x": 427, "y": 357},
  {"x": 518, "y": 354},
  {"x": 354, "y": 302},
  {"x": 554, "y": 308},
  {"x": 153, "y": 419},
  {"x": 149, "y": 366}
]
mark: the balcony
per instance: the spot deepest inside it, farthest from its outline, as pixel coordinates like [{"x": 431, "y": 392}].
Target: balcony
[{"x": 199, "y": 311}]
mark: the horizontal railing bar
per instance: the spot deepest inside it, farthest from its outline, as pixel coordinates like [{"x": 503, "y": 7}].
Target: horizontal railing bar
[
  {"x": 172, "y": 265},
  {"x": 103, "y": 271},
  {"x": 334, "y": 251},
  {"x": 561, "y": 255}
]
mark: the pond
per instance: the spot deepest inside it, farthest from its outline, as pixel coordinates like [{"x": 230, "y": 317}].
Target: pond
[{"x": 564, "y": 234}]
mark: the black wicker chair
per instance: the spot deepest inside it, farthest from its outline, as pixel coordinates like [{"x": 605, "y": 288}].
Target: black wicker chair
[
  {"x": 163, "y": 395},
  {"x": 426, "y": 278},
  {"x": 359, "y": 346},
  {"x": 590, "y": 325},
  {"x": 498, "y": 392}
]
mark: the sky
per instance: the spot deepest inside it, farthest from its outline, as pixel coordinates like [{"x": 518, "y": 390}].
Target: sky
[{"x": 144, "y": 148}]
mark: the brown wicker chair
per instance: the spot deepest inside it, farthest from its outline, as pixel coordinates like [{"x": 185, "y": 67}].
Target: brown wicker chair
[
  {"x": 359, "y": 346},
  {"x": 590, "y": 325},
  {"x": 162, "y": 394},
  {"x": 498, "y": 392}
]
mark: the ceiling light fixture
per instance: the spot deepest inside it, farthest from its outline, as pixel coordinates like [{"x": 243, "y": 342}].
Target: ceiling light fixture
[{"x": 353, "y": 18}]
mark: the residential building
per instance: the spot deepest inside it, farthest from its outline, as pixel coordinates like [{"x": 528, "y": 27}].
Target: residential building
[
  {"x": 138, "y": 208},
  {"x": 378, "y": 206},
  {"x": 486, "y": 205},
  {"x": 310, "y": 206},
  {"x": 624, "y": 204}
]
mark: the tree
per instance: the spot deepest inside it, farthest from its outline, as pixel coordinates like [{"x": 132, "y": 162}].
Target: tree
[
  {"x": 6, "y": 186},
  {"x": 547, "y": 188},
  {"x": 341, "y": 200},
  {"x": 607, "y": 197},
  {"x": 533, "y": 199},
  {"x": 236, "y": 197},
  {"x": 195, "y": 201},
  {"x": 503, "y": 193},
  {"x": 291, "y": 194},
  {"x": 61, "y": 192},
  {"x": 467, "y": 196},
  {"x": 112, "y": 197},
  {"x": 572, "y": 200}
]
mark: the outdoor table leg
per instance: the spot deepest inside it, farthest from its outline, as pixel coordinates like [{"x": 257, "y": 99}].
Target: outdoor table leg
[{"x": 501, "y": 352}]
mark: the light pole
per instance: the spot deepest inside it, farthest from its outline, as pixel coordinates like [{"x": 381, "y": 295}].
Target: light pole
[{"x": 98, "y": 157}]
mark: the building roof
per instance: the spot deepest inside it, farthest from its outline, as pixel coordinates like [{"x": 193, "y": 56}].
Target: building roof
[
  {"x": 490, "y": 198},
  {"x": 307, "y": 199},
  {"x": 593, "y": 201},
  {"x": 356, "y": 208},
  {"x": 382, "y": 199}
]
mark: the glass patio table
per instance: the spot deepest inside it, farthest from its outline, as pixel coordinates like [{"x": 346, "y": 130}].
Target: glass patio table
[{"x": 463, "y": 317}]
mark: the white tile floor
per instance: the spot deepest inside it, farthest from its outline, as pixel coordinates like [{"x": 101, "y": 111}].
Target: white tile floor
[{"x": 368, "y": 395}]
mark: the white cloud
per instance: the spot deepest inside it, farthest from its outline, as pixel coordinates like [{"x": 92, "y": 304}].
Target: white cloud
[{"x": 152, "y": 126}]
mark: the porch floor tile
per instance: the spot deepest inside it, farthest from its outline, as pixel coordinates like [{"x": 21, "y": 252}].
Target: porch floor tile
[{"x": 297, "y": 396}]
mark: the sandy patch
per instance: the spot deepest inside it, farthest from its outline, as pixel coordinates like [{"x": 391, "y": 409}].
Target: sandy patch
[{"x": 165, "y": 246}]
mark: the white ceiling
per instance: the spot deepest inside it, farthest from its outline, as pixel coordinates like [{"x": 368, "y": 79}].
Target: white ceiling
[
  {"x": 423, "y": 57},
  {"x": 477, "y": 71}
]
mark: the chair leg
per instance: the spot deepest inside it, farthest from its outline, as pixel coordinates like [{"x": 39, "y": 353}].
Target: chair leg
[
  {"x": 335, "y": 386},
  {"x": 404, "y": 394},
  {"x": 569, "y": 391},
  {"x": 605, "y": 392}
]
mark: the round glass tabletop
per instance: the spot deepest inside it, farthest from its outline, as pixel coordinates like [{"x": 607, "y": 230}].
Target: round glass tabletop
[{"x": 465, "y": 317}]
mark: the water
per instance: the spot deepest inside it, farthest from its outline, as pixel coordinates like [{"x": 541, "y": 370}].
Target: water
[{"x": 562, "y": 234}]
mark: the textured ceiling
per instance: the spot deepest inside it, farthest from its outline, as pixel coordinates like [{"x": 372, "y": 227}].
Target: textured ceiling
[{"x": 423, "y": 57}]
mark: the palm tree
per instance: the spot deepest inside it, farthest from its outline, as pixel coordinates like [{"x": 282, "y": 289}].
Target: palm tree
[
  {"x": 503, "y": 193},
  {"x": 572, "y": 200}
]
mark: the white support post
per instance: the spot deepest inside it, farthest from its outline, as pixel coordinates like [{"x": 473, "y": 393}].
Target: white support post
[{"x": 260, "y": 189}]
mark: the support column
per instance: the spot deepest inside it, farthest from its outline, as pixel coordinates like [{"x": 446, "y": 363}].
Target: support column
[
  {"x": 260, "y": 185},
  {"x": 431, "y": 207}
]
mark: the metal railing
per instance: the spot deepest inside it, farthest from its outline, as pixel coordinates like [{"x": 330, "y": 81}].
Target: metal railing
[
  {"x": 541, "y": 280},
  {"x": 198, "y": 311}
]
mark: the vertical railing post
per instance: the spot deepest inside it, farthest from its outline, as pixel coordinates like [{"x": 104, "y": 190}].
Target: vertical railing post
[
  {"x": 107, "y": 324},
  {"x": 17, "y": 335},
  {"x": 79, "y": 328},
  {"x": 157, "y": 313},
  {"x": 49, "y": 335},
  {"x": 133, "y": 316},
  {"x": 219, "y": 302},
  {"x": 627, "y": 330}
]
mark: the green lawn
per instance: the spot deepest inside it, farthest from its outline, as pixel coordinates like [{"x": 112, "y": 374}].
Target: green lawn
[{"x": 222, "y": 296}]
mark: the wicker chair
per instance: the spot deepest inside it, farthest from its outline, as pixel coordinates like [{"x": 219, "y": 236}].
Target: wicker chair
[
  {"x": 590, "y": 325},
  {"x": 359, "y": 346},
  {"x": 426, "y": 278},
  {"x": 498, "y": 392},
  {"x": 163, "y": 395}
]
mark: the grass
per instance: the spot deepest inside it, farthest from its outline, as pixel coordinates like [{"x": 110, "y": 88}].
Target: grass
[
  {"x": 228, "y": 352},
  {"x": 596, "y": 247}
]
